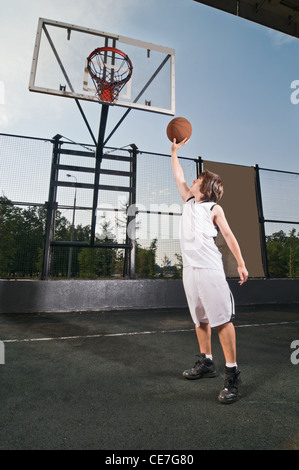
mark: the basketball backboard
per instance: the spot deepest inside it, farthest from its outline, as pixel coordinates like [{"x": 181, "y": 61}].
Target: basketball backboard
[{"x": 59, "y": 67}]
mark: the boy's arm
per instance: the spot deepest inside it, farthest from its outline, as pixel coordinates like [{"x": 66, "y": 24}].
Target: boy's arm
[
  {"x": 220, "y": 220},
  {"x": 178, "y": 171}
]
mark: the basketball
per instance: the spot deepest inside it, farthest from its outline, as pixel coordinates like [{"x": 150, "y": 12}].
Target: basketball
[{"x": 179, "y": 128}]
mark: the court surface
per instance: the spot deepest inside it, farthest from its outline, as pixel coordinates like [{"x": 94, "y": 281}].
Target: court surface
[{"x": 112, "y": 381}]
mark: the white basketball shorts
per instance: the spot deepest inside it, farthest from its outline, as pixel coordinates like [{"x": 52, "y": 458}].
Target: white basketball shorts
[{"x": 208, "y": 295}]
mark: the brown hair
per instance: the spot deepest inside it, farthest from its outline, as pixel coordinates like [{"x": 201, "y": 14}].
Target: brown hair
[{"x": 211, "y": 186}]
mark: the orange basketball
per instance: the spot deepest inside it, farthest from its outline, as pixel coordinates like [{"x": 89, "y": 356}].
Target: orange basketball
[{"x": 179, "y": 128}]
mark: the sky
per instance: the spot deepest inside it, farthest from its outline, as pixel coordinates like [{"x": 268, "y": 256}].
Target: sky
[{"x": 233, "y": 80}]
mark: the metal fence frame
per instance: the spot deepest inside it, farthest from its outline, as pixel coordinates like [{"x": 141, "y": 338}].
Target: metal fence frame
[{"x": 130, "y": 245}]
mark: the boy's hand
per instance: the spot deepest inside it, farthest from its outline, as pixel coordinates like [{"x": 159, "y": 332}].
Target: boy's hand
[
  {"x": 176, "y": 146},
  {"x": 243, "y": 273}
]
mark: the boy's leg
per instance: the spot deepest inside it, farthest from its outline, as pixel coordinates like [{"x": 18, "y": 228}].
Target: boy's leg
[
  {"x": 227, "y": 337},
  {"x": 203, "y": 333},
  {"x": 232, "y": 380},
  {"x": 204, "y": 367}
]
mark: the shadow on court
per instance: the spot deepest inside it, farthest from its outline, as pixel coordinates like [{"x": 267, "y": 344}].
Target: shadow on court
[{"x": 112, "y": 381}]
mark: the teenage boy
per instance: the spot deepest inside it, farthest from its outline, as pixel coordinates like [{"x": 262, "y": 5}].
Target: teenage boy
[{"x": 209, "y": 298}]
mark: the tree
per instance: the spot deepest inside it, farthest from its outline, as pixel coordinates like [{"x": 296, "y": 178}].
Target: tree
[
  {"x": 60, "y": 255},
  {"x": 99, "y": 262},
  {"x": 179, "y": 264},
  {"x": 10, "y": 223},
  {"x": 29, "y": 240},
  {"x": 146, "y": 259},
  {"x": 283, "y": 254},
  {"x": 21, "y": 239}
]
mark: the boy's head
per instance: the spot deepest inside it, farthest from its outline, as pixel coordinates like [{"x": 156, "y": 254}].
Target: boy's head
[{"x": 210, "y": 186}]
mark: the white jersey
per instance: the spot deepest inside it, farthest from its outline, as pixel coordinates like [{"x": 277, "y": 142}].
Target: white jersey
[{"x": 198, "y": 234}]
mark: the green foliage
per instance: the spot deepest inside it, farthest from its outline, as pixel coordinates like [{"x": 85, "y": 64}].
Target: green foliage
[
  {"x": 99, "y": 262},
  {"x": 22, "y": 241},
  {"x": 283, "y": 254},
  {"x": 22, "y": 247},
  {"x": 145, "y": 260}
]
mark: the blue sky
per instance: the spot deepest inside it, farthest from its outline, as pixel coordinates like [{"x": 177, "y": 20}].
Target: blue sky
[{"x": 233, "y": 80}]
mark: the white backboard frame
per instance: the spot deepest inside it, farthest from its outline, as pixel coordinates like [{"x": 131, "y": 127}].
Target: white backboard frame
[{"x": 168, "y": 53}]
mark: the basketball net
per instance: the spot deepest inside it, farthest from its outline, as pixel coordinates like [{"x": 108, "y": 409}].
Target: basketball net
[{"x": 110, "y": 69}]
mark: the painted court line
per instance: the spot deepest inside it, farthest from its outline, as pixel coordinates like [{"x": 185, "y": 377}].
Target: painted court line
[{"x": 136, "y": 333}]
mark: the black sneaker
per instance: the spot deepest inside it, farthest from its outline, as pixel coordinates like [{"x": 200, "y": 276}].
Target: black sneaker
[
  {"x": 202, "y": 368},
  {"x": 232, "y": 380}
]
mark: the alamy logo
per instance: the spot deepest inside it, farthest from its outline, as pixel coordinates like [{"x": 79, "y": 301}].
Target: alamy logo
[
  {"x": 295, "y": 354},
  {"x": 295, "y": 94}
]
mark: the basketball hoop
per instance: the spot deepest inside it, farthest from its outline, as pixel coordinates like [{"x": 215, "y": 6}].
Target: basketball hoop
[{"x": 110, "y": 69}]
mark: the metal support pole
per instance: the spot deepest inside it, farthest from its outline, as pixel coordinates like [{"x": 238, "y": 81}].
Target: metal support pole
[
  {"x": 51, "y": 209},
  {"x": 261, "y": 220},
  {"x": 199, "y": 166},
  {"x": 133, "y": 170},
  {"x": 99, "y": 156},
  {"x": 69, "y": 269},
  {"x": 130, "y": 253}
]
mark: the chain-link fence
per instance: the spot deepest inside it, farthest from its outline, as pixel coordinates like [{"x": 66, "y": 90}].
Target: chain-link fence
[
  {"x": 280, "y": 198},
  {"x": 25, "y": 172}
]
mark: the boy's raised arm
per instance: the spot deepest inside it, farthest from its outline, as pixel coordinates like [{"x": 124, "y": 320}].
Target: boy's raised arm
[{"x": 178, "y": 171}]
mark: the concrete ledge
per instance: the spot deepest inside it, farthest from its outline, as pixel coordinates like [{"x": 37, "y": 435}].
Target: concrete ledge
[
  {"x": 60, "y": 296},
  {"x": 22, "y": 296}
]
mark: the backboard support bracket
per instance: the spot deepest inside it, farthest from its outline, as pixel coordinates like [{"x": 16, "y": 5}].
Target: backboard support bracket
[{"x": 68, "y": 80}]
